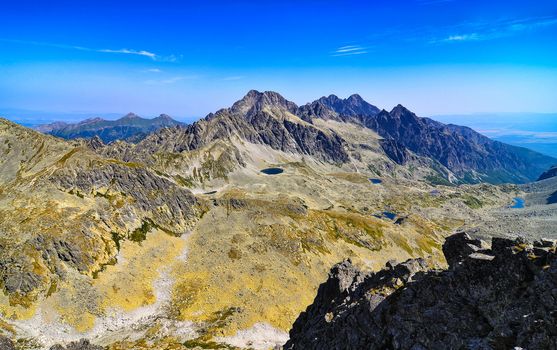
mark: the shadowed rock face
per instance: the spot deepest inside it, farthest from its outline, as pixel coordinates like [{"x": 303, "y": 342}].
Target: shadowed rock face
[
  {"x": 497, "y": 298},
  {"x": 6, "y": 344},
  {"x": 552, "y": 172},
  {"x": 460, "y": 149},
  {"x": 80, "y": 345},
  {"x": 261, "y": 118},
  {"x": 471, "y": 156}
]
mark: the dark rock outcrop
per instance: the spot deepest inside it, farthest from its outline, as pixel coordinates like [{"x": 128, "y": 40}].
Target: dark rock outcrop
[
  {"x": 551, "y": 172},
  {"x": 6, "y": 344},
  {"x": 470, "y": 155},
  {"x": 352, "y": 109},
  {"x": 504, "y": 297},
  {"x": 83, "y": 344},
  {"x": 395, "y": 151},
  {"x": 149, "y": 190}
]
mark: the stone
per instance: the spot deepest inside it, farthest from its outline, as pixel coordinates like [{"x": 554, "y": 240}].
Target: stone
[
  {"x": 6, "y": 343},
  {"x": 486, "y": 297}
]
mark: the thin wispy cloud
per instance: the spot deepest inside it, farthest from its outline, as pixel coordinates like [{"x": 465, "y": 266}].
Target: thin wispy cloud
[
  {"x": 152, "y": 70},
  {"x": 479, "y": 31},
  {"x": 130, "y": 52},
  {"x": 170, "y": 80},
  {"x": 233, "y": 78},
  {"x": 125, "y": 51},
  {"x": 464, "y": 37},
  {"x": 349, "y": 50}
]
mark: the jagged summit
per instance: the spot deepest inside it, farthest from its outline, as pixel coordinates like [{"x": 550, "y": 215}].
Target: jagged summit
[
  {"x": 165, "y": 117},
  {"x": 90, "y": 121},
  {"x": 255, "y": 101},
  {"x": 354, "y": 105},
  {"x": 130, "y": 116}
]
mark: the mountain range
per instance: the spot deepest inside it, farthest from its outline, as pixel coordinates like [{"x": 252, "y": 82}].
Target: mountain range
[
  {"x": 458, "y": 154},
  {"x": 131, "y": 128}
]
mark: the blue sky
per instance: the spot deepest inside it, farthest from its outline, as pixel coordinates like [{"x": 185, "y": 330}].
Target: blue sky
[{"x": 189, "y": 58}]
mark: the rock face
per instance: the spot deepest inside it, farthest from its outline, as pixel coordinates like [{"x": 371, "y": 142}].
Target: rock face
[
  {"x": 6, "y": 344},
  {"x": 470, "y": 155},
  {"x": 498, "y": 298},
  {"x": 131, "y": 128},
  {"x": 83, "y": 344},
  {"x": 552, "y": 172},
  {"x": 264, "y": 118}
]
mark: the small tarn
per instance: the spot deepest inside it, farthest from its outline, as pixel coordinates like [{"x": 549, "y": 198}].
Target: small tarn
[
  {"x": 272, "y": 171},
  {"x": 518, "y": 203}
]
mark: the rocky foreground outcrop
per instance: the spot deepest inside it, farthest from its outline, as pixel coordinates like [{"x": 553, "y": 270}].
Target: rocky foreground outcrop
[
  {"x": 503, "y": 297},
  {"x": 7, "y": 344}
]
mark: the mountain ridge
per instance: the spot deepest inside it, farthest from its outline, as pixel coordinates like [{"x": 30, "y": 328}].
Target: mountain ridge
[
  {"x": 130, "y": 127},
  {"x": 269, "y": 118}
]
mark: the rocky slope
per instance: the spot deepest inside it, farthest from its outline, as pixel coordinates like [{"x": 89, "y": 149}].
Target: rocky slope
[
  {"x": 131, "y": 128},
  {"x": 501, "y": 297}
]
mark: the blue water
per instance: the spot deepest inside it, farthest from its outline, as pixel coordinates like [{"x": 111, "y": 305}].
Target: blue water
[
  {"x": 518, "y": 203},
  {"x": 376, "y": 181},
  {"x": 389, "y": 215},
  {"x": 272, "y": 171}
]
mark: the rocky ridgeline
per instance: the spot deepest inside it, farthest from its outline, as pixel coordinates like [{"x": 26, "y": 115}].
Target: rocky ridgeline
[{"x": 502, "y": 297}]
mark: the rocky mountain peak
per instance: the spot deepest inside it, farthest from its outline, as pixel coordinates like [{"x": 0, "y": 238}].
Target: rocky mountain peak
[
  {"x": 355, "y": 98},
  {"x": 400, "y": 110},
  {"x": 130, "y": 116},
  {"x": 165, "y": 119},
  {"x": 88, "y": 121},
  {"x": 354, "y": 105},
  {"x": 256, "y": 101}
]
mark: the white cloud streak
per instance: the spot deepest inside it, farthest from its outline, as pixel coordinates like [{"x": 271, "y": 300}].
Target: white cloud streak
[
  {"x": 144, "y": 53},
  {"x": 349, "y": 50},
  {"x": 152, "y": 70},
  {"x": 170, "y": 80},
  {"x": 498, "y": 29},
  {"x": 233, "y": 78}
]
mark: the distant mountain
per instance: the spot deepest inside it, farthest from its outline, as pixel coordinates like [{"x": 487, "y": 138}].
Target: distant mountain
[
  {"x": 261, "y": 118},
  {"x": 131, "y": 128}
]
